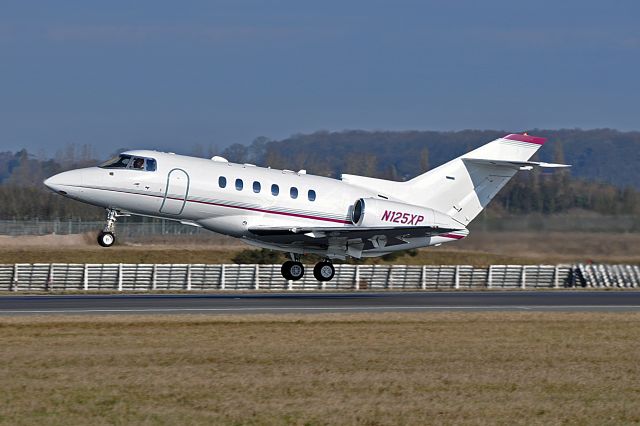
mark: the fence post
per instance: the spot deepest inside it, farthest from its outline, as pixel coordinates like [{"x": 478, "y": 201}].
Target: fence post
[
  {"x": 556, "y": 273},
  {"x": 356, "y": 284},
  {"x": 50, "y": 280},
  {"x": 289, "y": 284},
  {"x": 119, "y": 276},
  {"x": 85, "y": 277},
  {"x": 456, "y": 278},
  {"x": 154, "y": 277},
  {"x": 390, "y": 278},
  {"x": 257, "y": 277},
  {"x": 14, "y": 287},
  {"x": 489, "y": 276},
  {"x": 189, "y": 277},
  {"x": 423, "y": 278},
  {"x": 222, "y": 283},
  {"x": 523, "y": 277}
]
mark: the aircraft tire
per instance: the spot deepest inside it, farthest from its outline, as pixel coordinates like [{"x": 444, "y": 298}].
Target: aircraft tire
[
  {"x": 292, "y": 270},
  {"x": 324, "y": 271},
  {"x": 106, "y": 239}
]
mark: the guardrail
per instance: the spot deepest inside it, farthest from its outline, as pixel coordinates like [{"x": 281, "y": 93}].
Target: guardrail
[{"x": 203, "y": 277}]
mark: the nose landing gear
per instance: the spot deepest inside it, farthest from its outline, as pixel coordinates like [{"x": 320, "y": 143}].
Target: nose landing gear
[{"x": 107, "y": 237}]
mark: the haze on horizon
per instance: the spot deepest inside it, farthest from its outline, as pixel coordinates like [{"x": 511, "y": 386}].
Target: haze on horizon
[{"x": 166, "y": 75}]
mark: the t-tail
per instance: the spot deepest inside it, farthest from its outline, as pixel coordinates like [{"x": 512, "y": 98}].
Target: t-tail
[{"x": 465, "y": 185}]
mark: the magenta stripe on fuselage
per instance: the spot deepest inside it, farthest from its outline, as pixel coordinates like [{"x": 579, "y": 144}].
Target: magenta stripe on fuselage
[{"x": 302, "y": 216}]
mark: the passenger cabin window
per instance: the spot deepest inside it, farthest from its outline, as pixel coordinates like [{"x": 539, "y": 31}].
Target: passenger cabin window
[
  {"x": 293, "y": 192},
  {"x": 311, "y": 195},
  {"x": 239, "y": 184},
  {"x": 275, "y": 190},
  {"x": 256, "y": 187},
  {"x": 222, "y": 182}
]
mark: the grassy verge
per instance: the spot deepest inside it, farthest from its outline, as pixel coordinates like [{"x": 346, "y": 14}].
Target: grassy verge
[
  {"x": 191, "y": 255},
  {"x": 194, "y": 255},
  {"x": 479, "y": 249},
  {"x": 523, "y": 368}
]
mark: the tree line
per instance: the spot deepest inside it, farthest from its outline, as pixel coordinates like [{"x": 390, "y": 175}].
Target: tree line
[{"x": 604, "y": 177}]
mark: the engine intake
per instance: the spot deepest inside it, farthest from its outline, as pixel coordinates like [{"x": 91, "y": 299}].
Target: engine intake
[{"x": 373, "y": 212}]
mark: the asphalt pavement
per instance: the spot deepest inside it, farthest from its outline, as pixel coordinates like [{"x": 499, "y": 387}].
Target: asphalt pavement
[{"x": 322, "y": 302}]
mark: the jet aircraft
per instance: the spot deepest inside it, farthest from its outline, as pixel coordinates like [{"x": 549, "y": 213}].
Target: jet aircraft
[{"x": 299, "y": 213}]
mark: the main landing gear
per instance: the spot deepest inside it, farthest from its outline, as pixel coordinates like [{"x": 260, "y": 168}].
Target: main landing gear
[
  {"x": 294, "y": 270},
  {"x": 107, "y": 237},
  {"x": 324, "y": 271}
]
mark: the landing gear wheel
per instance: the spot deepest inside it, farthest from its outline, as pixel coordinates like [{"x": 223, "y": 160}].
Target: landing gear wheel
[
  {"x": 106, "y": 239},
  {"x": 292, "y": 270},
  {"x": 324, "y": 271}
]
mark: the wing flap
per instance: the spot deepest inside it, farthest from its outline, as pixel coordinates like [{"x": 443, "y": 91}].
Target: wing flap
[
  {"x": 352, "y": 231},
  {"x": 338, "y": 242}
]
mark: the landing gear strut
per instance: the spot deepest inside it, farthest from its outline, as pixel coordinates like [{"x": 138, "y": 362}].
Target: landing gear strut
[{"x": 107, "y": 237}]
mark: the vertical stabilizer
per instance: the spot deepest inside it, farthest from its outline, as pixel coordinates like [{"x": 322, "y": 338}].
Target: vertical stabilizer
[{"x": 463, "y": 187}]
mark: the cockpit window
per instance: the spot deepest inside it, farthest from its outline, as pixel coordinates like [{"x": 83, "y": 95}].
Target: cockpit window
[
  {"x": 138, "y": 163},
  {"x": 124, "y": 161},
  {"x": 151, "y": 165},
  {"x": 119, "y": 162}
]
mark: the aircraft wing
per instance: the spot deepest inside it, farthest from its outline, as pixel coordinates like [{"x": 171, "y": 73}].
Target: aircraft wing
[{"x": 349, "y": 240}]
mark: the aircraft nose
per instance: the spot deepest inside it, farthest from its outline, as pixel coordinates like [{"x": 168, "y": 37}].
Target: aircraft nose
[
  {"x": 57, "y": 183},
  {"x": 52, "y": 183}
]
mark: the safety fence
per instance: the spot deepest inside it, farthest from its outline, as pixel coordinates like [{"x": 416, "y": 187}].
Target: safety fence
[
  {"x": 203, "y": 277},
  {"x": 126, "y": 229}
]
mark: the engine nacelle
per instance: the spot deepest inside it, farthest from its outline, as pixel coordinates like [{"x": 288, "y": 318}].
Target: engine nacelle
[{"x": 373, "y": 212}]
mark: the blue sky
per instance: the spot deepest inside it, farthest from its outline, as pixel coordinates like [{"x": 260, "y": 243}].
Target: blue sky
[{"x": 169, "y": 75}]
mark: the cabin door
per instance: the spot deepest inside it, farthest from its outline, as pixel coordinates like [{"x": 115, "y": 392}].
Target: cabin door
[{"x": 175, "y": 195}]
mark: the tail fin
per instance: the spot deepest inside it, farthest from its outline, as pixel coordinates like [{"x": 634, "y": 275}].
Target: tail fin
[{"x": 464, "y": 186}]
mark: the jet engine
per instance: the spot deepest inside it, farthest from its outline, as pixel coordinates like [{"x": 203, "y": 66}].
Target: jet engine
[{"x": 373, "y": 212}]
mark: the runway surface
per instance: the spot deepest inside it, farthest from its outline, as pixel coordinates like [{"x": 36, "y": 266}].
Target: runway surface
[{"x": 252, "y": 303}]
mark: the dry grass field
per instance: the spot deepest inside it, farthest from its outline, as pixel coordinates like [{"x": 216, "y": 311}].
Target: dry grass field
[
  {"x": 479, "y": 249},
  {"x": 444, "y": 368}
]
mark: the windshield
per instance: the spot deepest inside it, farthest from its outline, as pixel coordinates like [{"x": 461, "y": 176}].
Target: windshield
[
  {"x": 124, "y": 161},
  {"x": 119, "y": 162}
]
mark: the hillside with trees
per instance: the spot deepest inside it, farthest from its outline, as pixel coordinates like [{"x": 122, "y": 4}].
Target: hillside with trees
[{"x": 605, "y": 177}]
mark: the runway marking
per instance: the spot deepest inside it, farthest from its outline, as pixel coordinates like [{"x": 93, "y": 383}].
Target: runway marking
[{"x": 343, "y": 308}]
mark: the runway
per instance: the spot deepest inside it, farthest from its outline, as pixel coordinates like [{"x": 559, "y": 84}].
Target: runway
[{"x": 254, "y": 303}]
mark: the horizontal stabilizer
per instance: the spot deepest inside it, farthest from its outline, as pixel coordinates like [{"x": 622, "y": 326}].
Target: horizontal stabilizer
[{"x": 518, "y": 165}]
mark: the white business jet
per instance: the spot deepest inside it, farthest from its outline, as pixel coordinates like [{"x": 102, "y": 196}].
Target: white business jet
[{"x": 298, "y": 213}]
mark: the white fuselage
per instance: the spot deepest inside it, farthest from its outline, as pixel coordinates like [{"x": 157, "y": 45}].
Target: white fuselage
[{"x": 189, "y": 190}]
